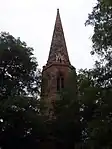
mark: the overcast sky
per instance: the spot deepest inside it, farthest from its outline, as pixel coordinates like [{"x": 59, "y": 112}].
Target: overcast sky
[{"x": 33, "y": 21}]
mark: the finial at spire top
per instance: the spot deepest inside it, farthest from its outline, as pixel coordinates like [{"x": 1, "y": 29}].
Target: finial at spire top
[{"x": 58, "y": 10}]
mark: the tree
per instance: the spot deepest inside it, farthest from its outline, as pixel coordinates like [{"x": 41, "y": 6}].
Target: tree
[
  {"x": 108, "y": 2},
  {"x": 18, "y": 67},
  {"x": 100, "y": 124},
  {"x": 21, "y": 125}
]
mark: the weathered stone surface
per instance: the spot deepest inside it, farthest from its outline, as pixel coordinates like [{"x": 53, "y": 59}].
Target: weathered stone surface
[
  {"x": 58, "y": 63},
  {"x": 58, "y": 44}
]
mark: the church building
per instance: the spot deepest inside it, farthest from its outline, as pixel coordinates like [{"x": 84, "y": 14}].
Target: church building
[{"x": 58, "y": 66}]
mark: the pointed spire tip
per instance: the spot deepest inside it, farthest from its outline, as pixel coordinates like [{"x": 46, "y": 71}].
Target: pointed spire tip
[{"x": 58, "y": 10}]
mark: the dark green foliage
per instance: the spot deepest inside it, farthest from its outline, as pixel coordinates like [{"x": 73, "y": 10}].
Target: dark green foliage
[
  {"x": 100, "y": 126},
  {"x": 99, "y": 132},
  {"x": 21, "y": 125},
  {"x": 108, "y": 2},
  {"x": 101, "y": 19},
  {"x": 18, "y": 67},
  {"x": 96, "y": 109}
]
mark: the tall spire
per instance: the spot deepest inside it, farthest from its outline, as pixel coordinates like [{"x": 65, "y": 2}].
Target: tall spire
[{"x": 58, "y": 50}]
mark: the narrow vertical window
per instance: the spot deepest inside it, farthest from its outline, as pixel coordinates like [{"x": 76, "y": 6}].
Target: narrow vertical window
[
  {"x": 58, "y": 84},
  {"x": 62, "y": 82}
]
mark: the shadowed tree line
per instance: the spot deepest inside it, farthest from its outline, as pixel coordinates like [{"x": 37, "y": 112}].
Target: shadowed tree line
[{"x": 83, "y": 113}]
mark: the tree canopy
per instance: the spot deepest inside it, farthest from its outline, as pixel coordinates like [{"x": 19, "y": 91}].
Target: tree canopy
[
  {"x": 20, "y": 123},
  {"x": 18, "y": 67},
  {"x": 99, "y": 127}
]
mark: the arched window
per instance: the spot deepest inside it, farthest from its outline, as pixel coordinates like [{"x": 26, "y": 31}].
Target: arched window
[{"x": 60, "y": 82}]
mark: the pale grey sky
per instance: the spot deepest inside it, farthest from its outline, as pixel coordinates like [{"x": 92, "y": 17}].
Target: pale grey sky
[{"x": 33, "y": 21}]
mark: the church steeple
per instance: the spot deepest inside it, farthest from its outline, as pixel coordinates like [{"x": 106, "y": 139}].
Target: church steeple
[
  {"x": 56, "y": 72},
  {"x": 58, "y": 50}
]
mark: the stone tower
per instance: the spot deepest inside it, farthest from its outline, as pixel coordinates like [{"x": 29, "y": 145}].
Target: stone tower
[{"x": 55, "y": 72}]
